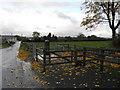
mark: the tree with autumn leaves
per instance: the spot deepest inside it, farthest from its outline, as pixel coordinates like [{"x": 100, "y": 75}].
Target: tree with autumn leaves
[{"x": 98, "y": 12}]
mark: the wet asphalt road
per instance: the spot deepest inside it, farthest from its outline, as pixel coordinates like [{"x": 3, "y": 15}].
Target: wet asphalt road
[{"x": 16, "y": 73}]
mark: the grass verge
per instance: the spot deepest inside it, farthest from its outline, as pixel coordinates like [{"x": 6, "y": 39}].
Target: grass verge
[
  {"x": 5, "y": 45},
  {"x": 23, "y": 54}
]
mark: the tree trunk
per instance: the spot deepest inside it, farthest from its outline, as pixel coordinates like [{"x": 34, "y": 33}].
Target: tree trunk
[{"x": 113, "y": 33}]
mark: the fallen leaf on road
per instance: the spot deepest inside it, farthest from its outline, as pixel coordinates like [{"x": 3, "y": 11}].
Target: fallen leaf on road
[
  {"x": 77, "y": 73},
  {"x": 97, "y": 85},
  {"x": 85, "y": 85},
  {"x": 62, "y": 79},
  {"x": 13, "y": 83},
  {"x": 16, "y": 77},
  {"x": 57, "y": 82},
  {"x": 35, "y": 77},
  {"x": 12, "y": 71},
  {"x": 8, "y": 84}
]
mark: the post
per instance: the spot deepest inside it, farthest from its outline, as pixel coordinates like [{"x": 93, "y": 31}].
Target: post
[
  {"x": 34, "y": 51},
  {"x": 102, "y": 57},
  {"x": 84, "y": 56},
  {"x": 36, "y": 54},
  {"x": 47, "y": 45},
  {"x": 47, "y": 48},
  {"x": 72, "y": 55},
  {"x": 49, "y": 58},
  {"x": 56, "y": 47},
  {"x": 75, "y": 58},
  {"x": 68, "y": 47},
  {"x": 44, "y": 61},
  {"x": 74, "y": 47}
]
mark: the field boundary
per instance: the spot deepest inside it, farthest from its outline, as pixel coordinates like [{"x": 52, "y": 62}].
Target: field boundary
[{"x": 104, "y": 57}]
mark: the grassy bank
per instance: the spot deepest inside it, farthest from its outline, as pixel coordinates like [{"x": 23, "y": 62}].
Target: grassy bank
[
  {"x": 5, "y": 45},
  {"x": 23, "y": 54}
]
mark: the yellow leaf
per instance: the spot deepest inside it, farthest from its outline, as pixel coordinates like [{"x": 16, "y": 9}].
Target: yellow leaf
[
  {"x": 77, "y": 73},
  {"x": 13, "y": 83},
  {"x": 97, "y": 85},
  {"x": 85, "y": 85},
  {"x": 62, "y": 79},
  {"x": 8, "y": 84},
  {"x": 35, "y": 77},
  {"x": 75, "y": 87},
  {"x": 74, "y": 84},
  {"x": 48, "y": 83}
]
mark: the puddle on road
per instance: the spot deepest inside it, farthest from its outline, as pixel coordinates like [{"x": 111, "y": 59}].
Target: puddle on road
[
  {"x": 25, "y": 75},
  {"x": 23, "y": 65},
  {"x": 26, "y": 66}
]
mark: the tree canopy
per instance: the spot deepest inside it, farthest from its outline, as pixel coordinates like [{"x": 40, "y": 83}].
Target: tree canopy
[
  {"x": 98, "y": 12},
  {"x": 36, "y": 36}
]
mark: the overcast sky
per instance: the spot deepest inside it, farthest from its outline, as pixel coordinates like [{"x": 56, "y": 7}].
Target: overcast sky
[{"x": 60, "y": 17}]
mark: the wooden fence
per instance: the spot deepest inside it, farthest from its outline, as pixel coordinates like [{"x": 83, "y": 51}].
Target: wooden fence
[{"x": 79, "y": 55}]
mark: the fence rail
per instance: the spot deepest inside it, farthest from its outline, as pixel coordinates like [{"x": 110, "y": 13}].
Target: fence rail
[{"x": 77, "y": 54}]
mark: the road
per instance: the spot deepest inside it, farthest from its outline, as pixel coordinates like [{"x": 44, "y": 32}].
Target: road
[{"x": 16, "y": 73}]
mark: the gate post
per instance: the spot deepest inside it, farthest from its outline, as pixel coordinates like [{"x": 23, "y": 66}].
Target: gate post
[
  {"x": 84, "y": 56},
  {"x": 101, "y": 61},
  {"x": 44, "y": 61},
  {"x": 75, "y": 47},
  {"x": 36, "y": 54},
  {"x": 47, "y": 48},
  {"x": 47, "y": 45},
  {"x": 68, "y": 47},
  {"x": 34, "y": 51},
  {"x": 56, "y": 47},
  {"x": 32, "y": 47},
  {"x": 72, "y": 55},
  {"x": 75, "y": 58}
]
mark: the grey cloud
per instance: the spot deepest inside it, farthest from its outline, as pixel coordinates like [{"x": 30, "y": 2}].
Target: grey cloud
[
  {"x": 49, "y": 4},
  {"x": 48, "y": 26},
  {"x": 7, "y": 30},
  {"x": 38, "y": 11},
  {"x": 38, "y": 28},
  {"x": 63, "y": 16},
  {"x": 13, "y": 29},
  {"x": 7, "y": 9},
  {"x": 56, "y": 4}
]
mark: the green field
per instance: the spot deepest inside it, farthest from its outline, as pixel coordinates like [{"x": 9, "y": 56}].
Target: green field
[
  {"x": 89, "y": 43},
  {"x": 106, "y": 44}
]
